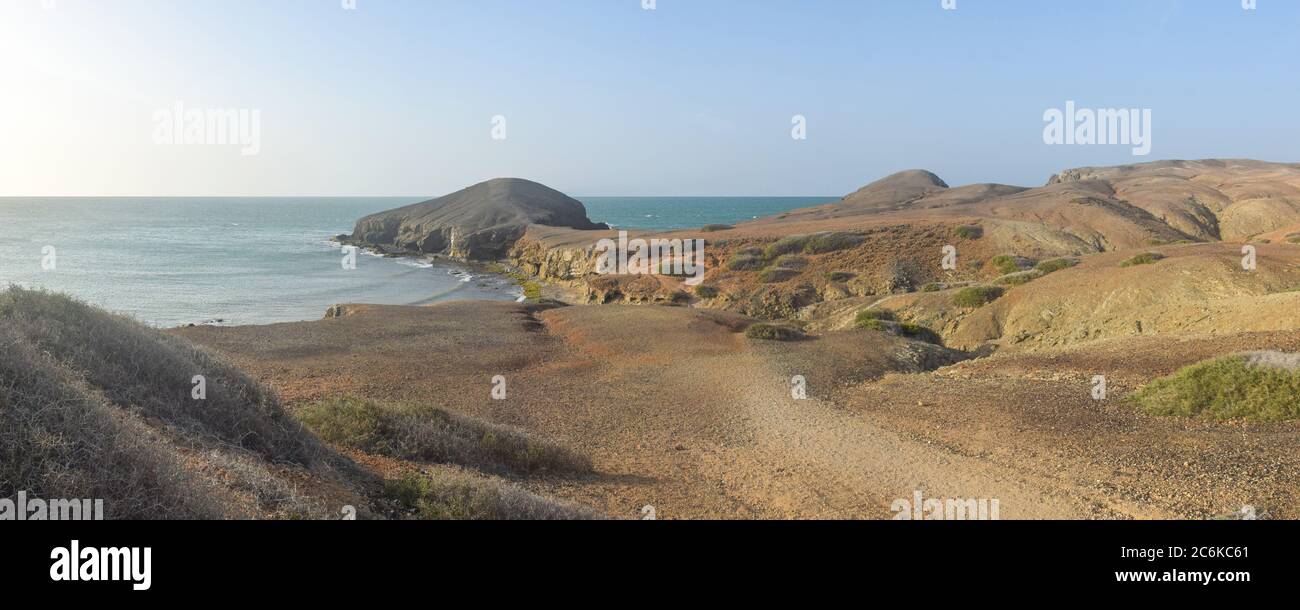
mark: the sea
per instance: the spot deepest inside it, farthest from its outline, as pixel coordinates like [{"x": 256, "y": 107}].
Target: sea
[{"x": 255, "y": 260}]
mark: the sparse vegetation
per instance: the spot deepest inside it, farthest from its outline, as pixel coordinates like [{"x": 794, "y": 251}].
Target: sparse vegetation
[
  {"x": 706, "y": 292},
  {"x": 774, "y": 332},
  {"x": 746, "y": 262},
  {"x": 1259, "y": 386},
  {"x": 883, "y": 320},
  {"x": 976, "y": 296},
  {"x": 715, "y": 227},
  {"x": 969, "y": 232},
  {"x": 932, "y": 287},
  {"x": 776, "y": 274},
  {"x": 876, "y": 325},
  {"x": 462, "y": 496},
  {"x": 839, "y": 276},
  {"x": 1056, "y": 264},
  {"x": 786, "y": 245},
  {"x": 96, "y": 405},
  {"x": 872, "y": 314},
  {"x": 791, "y": 261},
  {"x": 822, "y": 243},
  {"x": 1019, "y": 278},
  {"x": 1146, "y": 258},
  {"x": 1293, "y": 238},
  {"x": 1006, "y": 264},
  {"x": 418, "y": 432},
  {"x": 918, "y": 332}
]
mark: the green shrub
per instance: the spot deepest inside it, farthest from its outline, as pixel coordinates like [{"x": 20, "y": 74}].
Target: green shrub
[
  {"x": 706, "y": 292},
  {"x": 716, "y": 227},
  {"x": 411, "y": 432},
  {"x": 776, "y": 274},
  {"x": 1259, "y": 386},
  {"x": 839, "y": 276},
  {"x": 1146, "y": 258},
  {"x": 969, "y": 232},
  {"x": 932, "y": 287},
  {"x": 883, "y": 321},
  {"x": 1056, "y": 264},
  {"x": 773, "y": 332},
  {"x": 976, "y": 296},
  {"x": 918, "y": 332},
  {"x": 822, "y": 243},
  {"x": 876, "y": 325},
  {"x": 746, "y": 262},
  {"x": 1005, "y": 263},
  {"x": 872, "y": 314},
  {"x": 786, "y": 245}
]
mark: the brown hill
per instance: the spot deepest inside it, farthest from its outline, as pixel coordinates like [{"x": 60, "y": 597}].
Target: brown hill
[{"x": 1082, "y": 210}]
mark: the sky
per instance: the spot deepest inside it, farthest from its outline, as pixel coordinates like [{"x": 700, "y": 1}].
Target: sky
[{"x": 605, "y": 97}]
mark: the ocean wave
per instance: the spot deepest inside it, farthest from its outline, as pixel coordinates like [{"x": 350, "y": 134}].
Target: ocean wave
[{"x": 411, "y": 262}]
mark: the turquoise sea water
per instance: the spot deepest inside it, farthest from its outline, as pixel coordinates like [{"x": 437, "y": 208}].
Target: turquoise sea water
[
  {"x": 176, "y": 261},
  {"x": 662, "y": 213}
]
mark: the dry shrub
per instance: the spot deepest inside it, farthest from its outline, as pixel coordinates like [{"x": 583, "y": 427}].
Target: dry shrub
[
  {"x": 95, "y": 405},
  {"x": 448, "y": 494},
  {"x": 418, "y": 432}
]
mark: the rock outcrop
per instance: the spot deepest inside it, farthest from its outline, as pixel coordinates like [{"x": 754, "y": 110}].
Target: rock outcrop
[{"x": 481, "y": 222}]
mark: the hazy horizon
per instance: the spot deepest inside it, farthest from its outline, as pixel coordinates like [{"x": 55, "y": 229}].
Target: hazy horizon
[{"x": 606, "y": 99}]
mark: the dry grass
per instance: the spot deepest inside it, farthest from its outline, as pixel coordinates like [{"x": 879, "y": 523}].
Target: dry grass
[
  {"x": 416, "y": 432},
  {"x": 94, "y": 405},
  {"x": 463, "y": 496},
  {"x": 746, "y": 262}
]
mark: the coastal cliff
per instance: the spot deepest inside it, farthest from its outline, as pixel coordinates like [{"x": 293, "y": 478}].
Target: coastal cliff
[{"x": 481, "y": 222}]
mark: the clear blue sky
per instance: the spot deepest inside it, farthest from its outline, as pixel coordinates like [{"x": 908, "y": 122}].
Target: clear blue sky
[{"x": 604, "y": 98}]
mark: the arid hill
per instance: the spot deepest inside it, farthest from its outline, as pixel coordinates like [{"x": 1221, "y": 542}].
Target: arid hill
[
  {"x": 96, "y": 406},
  {"x": 1087, "y": 209},
  {"x": 888, "y": 238},
  {"x": 479, "y": 223}
]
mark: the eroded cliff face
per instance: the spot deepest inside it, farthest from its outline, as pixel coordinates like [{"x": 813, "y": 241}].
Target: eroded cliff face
[{"x": 565, "y": 264}]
